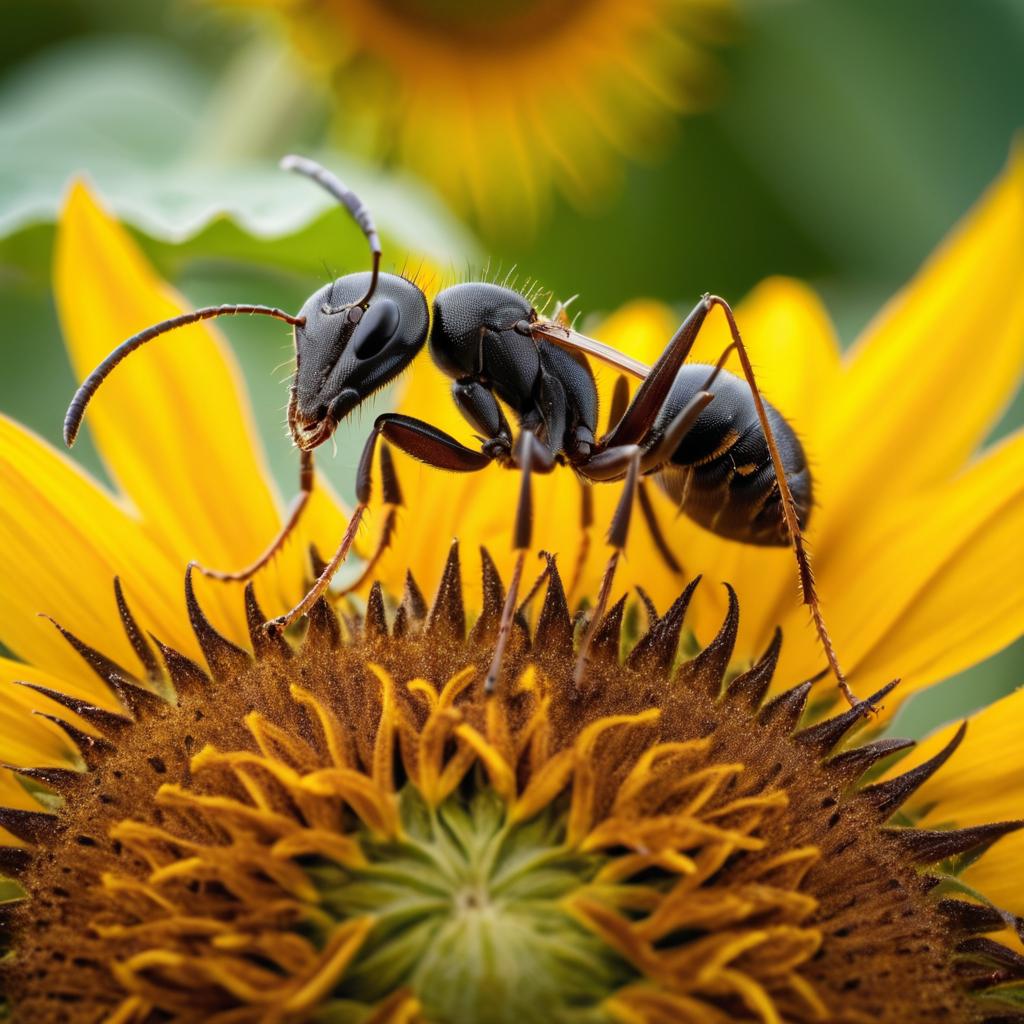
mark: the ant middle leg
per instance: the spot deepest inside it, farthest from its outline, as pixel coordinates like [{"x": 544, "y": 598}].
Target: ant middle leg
[
  {"x": 661, "y": 544},
  {"x": 618, "y": 405},
  {"x": 607, "y": 465},
  {"x": 631, "y": 460},
  {"x": 662, "y": 449},
  {"x": 531, "y": 456},
  {"x": 306, "y": 478},
  {"x": 412, "y": 436},
  {"x": 586, "y": 525}
]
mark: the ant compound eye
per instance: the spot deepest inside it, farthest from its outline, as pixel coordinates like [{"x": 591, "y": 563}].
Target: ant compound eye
[{"x": 377, "y": 327}]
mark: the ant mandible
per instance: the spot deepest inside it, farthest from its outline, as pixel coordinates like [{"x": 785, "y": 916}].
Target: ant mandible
[{"x": 736, "y": 468}]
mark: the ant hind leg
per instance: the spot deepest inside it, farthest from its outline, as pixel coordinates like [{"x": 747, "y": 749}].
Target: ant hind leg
[{"x": 806, "y": 574}]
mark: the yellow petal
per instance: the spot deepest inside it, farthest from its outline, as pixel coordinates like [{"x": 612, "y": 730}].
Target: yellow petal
[
  {"x": 934, "y": 371},
  {"x": 982, "y": 782},
  {"x": 62, "y": 542},
  {"x": 13, "y": 795},
  {"x": 997, "y": 874},
  {"x": 171, "y": 422},
  {"x": 934, "y": 586},
  {"x": 31, "y": 741},
  {"x": 16, "y": 680},
  {"x": 984, "y": 779}
]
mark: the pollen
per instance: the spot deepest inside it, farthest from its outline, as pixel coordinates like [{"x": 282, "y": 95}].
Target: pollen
[{"x": 343, "y": 826}]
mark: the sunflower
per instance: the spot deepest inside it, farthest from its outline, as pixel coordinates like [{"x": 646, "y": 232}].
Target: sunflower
[
  {"x": 912, "y": 531},
  {"x": 495, "y": 102},
  {"x": 207, "y": 822}
]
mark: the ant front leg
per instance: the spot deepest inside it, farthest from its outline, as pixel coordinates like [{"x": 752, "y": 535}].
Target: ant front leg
[
  {"x": 412, "y": 436},
  {"x": 392, "y": 496},
  {"x": 306, "y": 477},
  {"x": 481, "y": 410}
]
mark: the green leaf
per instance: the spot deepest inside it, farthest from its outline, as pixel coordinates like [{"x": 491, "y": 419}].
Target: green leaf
[{"x": 125, "y": 113}]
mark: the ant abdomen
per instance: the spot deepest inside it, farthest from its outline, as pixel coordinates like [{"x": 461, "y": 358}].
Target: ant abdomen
[{"x": 721, "y": 474}]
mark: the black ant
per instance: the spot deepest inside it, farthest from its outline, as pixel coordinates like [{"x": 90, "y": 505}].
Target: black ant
[{"x": 729, "y": 459}]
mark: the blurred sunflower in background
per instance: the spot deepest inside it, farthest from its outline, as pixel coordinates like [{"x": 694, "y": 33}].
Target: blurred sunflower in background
[
  {"x": 205, "y": 823},
  {"x": 495, "y": 103}
]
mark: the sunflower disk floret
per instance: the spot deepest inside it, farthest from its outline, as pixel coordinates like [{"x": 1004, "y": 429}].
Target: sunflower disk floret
[{"x": 345, "y": 827}]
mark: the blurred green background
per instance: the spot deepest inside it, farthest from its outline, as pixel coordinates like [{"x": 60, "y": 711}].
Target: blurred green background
[{"x": 847, "y": 137}]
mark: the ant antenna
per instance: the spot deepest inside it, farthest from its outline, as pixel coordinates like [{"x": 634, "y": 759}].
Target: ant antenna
[
  {"x": 359, "y": 211},
  {"x": 91, "y": 384}
]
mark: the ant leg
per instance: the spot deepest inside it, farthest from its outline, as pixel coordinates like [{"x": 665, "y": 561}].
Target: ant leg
[
  {"x": 306, "y": 476},
  {"x": 539, "y": 582},
  {"x": 531, "y": 456},
  {"x": 619, "y": 402},
  {"x": 660, "y": 449},
  {"x": 586, "y": 522},
  {"x": 628, "y": 458},
  {"x": 651, "y": 518},
  {"x": 414, "y": 437},
  {"x": 650, "y": 396},
  {"x": 806, "y": 574},
  {"x": 392, "y": 495},
  {"x": 481, "y": 410},
  {"x": 658, "y": 452}
]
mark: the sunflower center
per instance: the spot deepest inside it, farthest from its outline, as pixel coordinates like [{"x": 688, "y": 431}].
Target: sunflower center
[
  {"x": 507, "y": 22},
  {"x": 469, "y": 914},
  {"x": 352, "y": 830}
]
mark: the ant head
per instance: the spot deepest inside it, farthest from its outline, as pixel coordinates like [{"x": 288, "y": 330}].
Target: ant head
[
  {"x": 346, "y": 349},
  {"x": 351, "y": 338}
]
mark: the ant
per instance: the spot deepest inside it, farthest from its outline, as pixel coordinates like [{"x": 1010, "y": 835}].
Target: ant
[{"x": 727, "y": 458}]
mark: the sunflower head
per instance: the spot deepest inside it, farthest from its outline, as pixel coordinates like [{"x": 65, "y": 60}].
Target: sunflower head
[
  {"x": 343, "y": 826},
  {"x": 496, "y": 102},
  {"x": 346, "y": 827}
]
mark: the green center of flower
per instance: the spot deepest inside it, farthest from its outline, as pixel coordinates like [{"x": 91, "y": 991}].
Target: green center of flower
[{"x": 469, "y": 914}]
